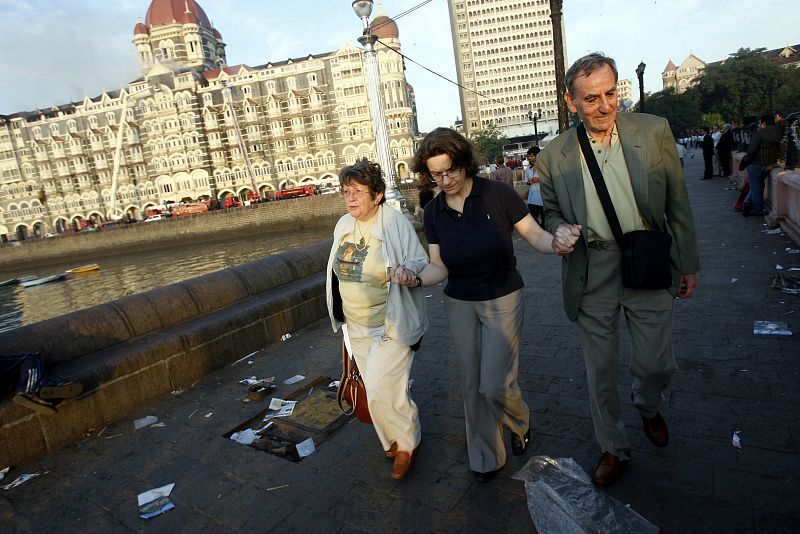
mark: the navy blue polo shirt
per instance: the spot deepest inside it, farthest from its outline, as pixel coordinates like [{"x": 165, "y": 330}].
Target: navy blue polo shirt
[{"x": 476, "y": 245}]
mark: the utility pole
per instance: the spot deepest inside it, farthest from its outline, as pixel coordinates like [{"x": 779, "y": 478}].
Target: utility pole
[{"x": 556, "y": 14}]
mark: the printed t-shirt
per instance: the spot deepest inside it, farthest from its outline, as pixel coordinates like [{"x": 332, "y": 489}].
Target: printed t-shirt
[{"x": 361, "y": 271}]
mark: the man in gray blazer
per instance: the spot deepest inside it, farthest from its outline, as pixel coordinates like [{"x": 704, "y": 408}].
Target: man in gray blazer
[{"x": 640, "y": 166}]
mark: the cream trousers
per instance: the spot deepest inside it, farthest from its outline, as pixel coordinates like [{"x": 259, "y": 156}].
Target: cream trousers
[{"x": 385, "y": 367}]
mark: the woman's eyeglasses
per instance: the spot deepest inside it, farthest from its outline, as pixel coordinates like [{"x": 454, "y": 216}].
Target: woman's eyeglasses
[
  {"x": 450, "y": 173},
  {"x": 354, "y": 192}
]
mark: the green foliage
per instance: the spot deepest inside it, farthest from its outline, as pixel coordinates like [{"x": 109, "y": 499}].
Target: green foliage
[
  {"x": 488, "y": 143},
  {"x": 745, "y": 85},
  {"x": 681, "y": 110},
  {"x": 712, "y": 119}
]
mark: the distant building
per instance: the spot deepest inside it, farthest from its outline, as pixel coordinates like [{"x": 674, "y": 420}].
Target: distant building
[
  {"x": 788, "y": 57},
  {"x": 193, "y": 128},
  {"x": 687, "y": 74},
  {"x": 624, "y": 90},
  {"x": 505, "y": 64},
  {"x": 684, "y": 76}
]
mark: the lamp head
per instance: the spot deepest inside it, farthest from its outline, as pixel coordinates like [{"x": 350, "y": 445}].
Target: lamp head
[
  {"x": 363, "y": 9},
  {"x": 640, "y": 69}
]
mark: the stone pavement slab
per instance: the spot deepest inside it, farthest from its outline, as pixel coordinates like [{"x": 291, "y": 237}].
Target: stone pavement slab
[{"x": 729, "y": 380}]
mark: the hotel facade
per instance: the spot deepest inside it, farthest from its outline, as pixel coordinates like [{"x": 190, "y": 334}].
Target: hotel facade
[{"x": 194, "y": 128}]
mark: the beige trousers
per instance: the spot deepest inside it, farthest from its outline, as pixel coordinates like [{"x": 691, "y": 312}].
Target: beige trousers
[
  {"x": 385, "y": 367},
  {"x": 649, "y": 316}
]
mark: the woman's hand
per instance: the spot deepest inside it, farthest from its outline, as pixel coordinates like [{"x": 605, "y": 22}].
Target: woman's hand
[{"x": 399, "y": 274}]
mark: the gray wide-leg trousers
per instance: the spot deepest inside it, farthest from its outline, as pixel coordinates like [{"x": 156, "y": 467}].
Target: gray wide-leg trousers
[{"x": 485, "y": 336}]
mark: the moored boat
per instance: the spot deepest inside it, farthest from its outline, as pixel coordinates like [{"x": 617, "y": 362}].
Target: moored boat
[
  {"x": 83, "y": 268},
  {"x": 45, "y": 280},
  {"x": 15, "y": 281}
]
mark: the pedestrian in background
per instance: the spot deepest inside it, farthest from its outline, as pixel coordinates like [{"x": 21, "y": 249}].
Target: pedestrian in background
[
  {"x": 639, "y": 165},
  {"x": 708, "y": 154},
  {"x": 534, "y": 192},
  {"x": 724, "y": 150},
  {"x": 761, "y": 157},
  {"x": 502, "y": 173},
  {"x": 469, "y": 229},
  {"x": 681, "y": 151},
  {"x": 384, "y": 321}
]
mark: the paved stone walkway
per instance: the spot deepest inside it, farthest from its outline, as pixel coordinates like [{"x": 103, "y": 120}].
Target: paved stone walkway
[{"x": 729, "y": 380}]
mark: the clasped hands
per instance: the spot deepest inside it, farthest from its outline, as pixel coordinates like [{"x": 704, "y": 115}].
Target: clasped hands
[
  {"x": 401, "y": 275},
  {"x": 565, "y": 238}
]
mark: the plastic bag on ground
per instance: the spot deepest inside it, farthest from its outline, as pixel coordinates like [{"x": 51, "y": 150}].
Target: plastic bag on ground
[{"x": 562, "y": 499}]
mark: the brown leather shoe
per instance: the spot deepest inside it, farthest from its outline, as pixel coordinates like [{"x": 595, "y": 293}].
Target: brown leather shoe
[
  {"x": 656, "y": 430},
  {"x": 392, "y": 452},
  {"x": 402, "y": 464},
  {"x": 607, "y": 470}
]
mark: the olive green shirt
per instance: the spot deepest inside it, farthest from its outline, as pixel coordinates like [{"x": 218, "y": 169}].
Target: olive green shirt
[{"x": 612, "y": 164}]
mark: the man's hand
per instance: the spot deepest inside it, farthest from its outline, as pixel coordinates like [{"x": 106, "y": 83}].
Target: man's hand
[
  {"x": 687, "y": 285},
  {"x": 565, "y": 238}
]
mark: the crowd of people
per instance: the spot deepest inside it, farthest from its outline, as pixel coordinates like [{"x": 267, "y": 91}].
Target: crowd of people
[{"x": 762, "y": 154}]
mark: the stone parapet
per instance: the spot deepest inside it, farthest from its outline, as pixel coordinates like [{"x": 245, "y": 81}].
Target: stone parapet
[
  {"x": 784, "y": 202},
  {"x": 134, "y": 350}
]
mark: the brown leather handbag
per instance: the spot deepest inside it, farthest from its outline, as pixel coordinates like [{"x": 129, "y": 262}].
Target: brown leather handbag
[{"x": 352, "y": 390}]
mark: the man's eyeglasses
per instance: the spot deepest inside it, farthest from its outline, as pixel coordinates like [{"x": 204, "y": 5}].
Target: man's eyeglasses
[{"x": 450, "y": 173}]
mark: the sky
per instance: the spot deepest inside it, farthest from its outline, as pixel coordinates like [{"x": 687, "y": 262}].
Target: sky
[{"x": 56, "y": 51}]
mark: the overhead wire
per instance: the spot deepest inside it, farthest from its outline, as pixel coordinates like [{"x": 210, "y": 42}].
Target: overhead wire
[{"x": 406, "y": 12}]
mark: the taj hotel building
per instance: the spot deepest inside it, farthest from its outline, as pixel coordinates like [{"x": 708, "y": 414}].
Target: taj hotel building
[{"x": 193, "y": 128}]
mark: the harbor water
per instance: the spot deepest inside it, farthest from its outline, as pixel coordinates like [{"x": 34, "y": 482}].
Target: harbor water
[{"x": 129, "y": 274}]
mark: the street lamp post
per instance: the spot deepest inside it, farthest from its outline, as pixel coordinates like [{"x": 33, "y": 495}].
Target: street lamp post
[
  {"x": 535, "y": 118},
  {"x": 556, "y": 14},
  {"x": 640, "y": 75},
  {"x": 363, "y": 9}
]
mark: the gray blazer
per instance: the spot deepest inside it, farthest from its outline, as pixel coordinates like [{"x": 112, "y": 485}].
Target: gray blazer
[{"x": 658, "y": 186}]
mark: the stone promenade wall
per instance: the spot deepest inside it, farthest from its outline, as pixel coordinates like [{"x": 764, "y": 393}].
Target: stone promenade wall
[
  {"x": 132, "y": 351},
  {"x": 781, "y": 197},
  {"x": 280, "y": 216}
]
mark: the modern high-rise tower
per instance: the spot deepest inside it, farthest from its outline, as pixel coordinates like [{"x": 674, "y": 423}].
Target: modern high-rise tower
[{"x": 505, "y": 64}]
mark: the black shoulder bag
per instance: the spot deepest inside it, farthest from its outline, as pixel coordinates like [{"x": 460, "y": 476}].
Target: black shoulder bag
[{"x": 646, "y": 260}]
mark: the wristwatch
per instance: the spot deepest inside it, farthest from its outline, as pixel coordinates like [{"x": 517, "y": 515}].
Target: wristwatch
[{"x": 419, "y": 280}]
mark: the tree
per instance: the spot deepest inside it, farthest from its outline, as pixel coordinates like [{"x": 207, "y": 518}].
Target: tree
[
  {"x": 746, "y": 85},
  {"x": 488, "y": 143},
  {"x": 681, "y": 110}
]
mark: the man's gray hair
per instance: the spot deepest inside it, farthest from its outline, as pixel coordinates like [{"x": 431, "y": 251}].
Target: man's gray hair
[
  {"x": 726, "y": 126},
  {"x": 587, "y": 65}
]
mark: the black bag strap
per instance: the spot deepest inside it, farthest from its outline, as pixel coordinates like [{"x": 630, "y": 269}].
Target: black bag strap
[{"x": 599, "y": 184}]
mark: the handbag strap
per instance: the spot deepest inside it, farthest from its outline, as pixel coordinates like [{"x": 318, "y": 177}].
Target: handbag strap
[
  {"x": 599, "y": 184},
  {"x": 344, "y": 381}
]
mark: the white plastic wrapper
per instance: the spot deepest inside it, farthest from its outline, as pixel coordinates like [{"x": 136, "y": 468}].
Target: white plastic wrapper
[{"x": 562, "y": 500}]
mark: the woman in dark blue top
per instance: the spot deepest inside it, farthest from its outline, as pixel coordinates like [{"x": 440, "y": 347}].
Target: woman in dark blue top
[{"x": 469, "y": 228}]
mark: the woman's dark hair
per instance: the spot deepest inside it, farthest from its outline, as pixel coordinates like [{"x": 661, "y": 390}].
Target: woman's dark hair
[
  {"x": 444, "y": 141},
  {"x": 365, "y": 173}
]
